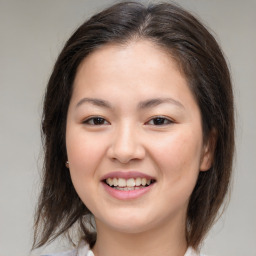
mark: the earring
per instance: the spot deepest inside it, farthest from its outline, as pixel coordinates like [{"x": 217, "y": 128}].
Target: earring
[{"x": 67, "y": 164}]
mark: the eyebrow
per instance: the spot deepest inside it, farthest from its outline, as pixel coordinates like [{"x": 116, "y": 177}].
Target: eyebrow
[
  {"x": 157, "y": 101},
  {"x": 94, "y": 101},
  {"x": 142, "y": 105}
]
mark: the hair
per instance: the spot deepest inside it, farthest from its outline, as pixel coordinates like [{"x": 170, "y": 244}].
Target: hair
[{"x": 203, "y": 64}]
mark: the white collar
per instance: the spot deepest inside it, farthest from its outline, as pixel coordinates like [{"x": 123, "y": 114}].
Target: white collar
[{"x": 84, "y": 250}]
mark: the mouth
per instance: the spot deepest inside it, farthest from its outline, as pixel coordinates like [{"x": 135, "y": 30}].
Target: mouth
[{"x": 128, "y": 184}]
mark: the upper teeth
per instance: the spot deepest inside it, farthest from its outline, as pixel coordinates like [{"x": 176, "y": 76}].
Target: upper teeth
[{"x": 120, "y": 182}]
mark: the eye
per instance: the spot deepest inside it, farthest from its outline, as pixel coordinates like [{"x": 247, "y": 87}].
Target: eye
[
  {"x": 96, "y": 120},
  {"x": 159, "y": 120}
]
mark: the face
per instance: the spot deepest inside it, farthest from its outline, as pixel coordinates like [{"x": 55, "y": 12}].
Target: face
[{"x": 134, "y": 138}]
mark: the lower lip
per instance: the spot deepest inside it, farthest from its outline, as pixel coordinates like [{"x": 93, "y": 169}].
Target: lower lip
[{"x": 129, "y": 194}]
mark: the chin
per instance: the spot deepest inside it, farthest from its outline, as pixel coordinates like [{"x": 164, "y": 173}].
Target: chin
[
  {"x": 126, "y": 223},
  {"x": 130, "y": 228}
]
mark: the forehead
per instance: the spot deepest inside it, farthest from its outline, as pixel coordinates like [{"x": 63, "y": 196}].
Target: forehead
[
  {"x": 138, "y": 67},
  {"x": 133, "y": 59}
]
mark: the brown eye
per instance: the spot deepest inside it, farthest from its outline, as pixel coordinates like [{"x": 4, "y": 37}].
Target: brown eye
[
  {"x": 96, "y": 121},
  {"x": 159, "y": 121}
]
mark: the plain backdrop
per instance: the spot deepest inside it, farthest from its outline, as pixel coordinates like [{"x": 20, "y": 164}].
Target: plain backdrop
[{"x": 32, "y": 34}]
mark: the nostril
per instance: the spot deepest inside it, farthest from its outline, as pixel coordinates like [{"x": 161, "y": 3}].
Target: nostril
[{"x": 126, "y": 147}]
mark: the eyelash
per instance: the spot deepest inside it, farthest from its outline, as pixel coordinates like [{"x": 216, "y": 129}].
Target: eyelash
[
  {"x": 102, "y": 121},
  {"x": 165, "y": 120},
  {"x": 93, "y": 119}
]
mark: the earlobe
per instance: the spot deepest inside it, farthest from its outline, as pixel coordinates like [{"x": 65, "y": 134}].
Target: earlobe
[{"x": 208, "y": 151}]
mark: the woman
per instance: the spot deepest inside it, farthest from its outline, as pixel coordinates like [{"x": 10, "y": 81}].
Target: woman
[{"x": 138, "y": 132}]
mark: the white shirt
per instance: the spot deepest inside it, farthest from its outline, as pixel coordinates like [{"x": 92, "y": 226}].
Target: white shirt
[{"x": 83, "y": 250}]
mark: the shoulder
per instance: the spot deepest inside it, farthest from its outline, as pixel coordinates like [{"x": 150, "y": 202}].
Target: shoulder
[
  {"x": 191, "y": 252},
  {"x": 81, "y": 250},
  {"x": 67, "y": 253}
]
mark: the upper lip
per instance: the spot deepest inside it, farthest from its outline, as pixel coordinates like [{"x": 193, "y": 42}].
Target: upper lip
[{"x": 127, "y": 175}]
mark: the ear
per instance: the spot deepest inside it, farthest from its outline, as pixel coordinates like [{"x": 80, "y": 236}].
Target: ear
[{"x": 208, "y": 151}]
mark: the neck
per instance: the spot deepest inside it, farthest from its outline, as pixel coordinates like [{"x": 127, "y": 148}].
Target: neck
[{"x": 165, "y": 240}]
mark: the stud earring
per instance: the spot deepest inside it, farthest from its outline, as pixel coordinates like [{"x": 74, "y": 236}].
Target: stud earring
[{"x": 67, "y": 164}]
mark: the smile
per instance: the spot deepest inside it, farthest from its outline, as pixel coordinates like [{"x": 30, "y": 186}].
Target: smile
[
  {"x": 128, "y": 184},
  {"x": 124, "y": 185}
]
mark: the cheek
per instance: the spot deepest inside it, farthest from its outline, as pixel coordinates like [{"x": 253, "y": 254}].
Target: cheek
[
  {"x": 178, "y": 156},
  {"x": 84, "y": 153},
  {"x": 177, "y": 159}
]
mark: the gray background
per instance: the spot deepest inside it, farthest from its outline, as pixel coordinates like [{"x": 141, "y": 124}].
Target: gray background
[{"x": 32, "y": 34}]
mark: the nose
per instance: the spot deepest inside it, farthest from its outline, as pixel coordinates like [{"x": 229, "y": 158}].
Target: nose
[{"x": 126, "y": 145}]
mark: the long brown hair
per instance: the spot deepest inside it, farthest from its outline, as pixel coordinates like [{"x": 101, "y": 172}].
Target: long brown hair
[{"x": 205, "y": 68}]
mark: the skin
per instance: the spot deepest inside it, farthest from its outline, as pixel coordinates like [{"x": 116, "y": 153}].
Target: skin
[{"x": 127, "y": 139}]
